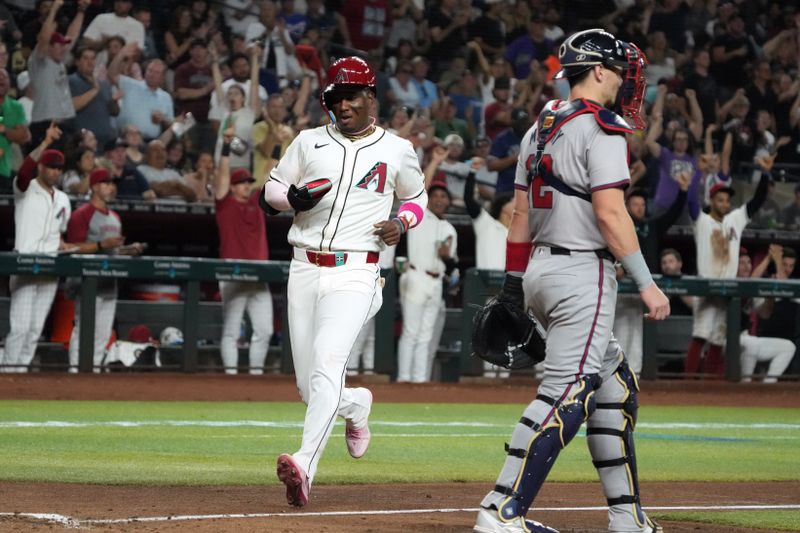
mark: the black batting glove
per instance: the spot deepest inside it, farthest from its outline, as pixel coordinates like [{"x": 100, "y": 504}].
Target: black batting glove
[
  {"x": 300, "y": 199},
  {"x": 512, "y": 291}
]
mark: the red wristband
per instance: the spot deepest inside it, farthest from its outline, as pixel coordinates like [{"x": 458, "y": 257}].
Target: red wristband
[{"x": 517, "y": 256}]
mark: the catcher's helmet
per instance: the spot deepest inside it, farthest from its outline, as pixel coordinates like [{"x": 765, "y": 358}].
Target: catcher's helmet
[
  {"x": 588, "y": 48},
  {"x": 585, "y": 49},
  {"x": 347, "y": 73}
]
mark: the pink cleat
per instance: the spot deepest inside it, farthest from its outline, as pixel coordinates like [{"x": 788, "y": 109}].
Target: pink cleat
[
  {"x": 358, "y": 437},
  {"x": 295, "y": 479}
]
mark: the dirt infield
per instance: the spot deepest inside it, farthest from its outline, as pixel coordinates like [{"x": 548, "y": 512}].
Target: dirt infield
[{"x": 89, "y": 503}]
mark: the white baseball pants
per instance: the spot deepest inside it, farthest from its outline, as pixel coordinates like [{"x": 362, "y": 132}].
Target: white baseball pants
[
  {"x": 421, "y": 300},
  {"x": 255, "y": 298},
  {"x": 779, "y": 353},
  {"x": 628, "y": 328},
  {"x": 710, "y": 319},
  {"x": 31, "y": 299},
  {"x": 433, "y": 346},
  {"x": 364, "y": 349},
  {"x": 328, "y": 306},
  {"x": 105, "y": 307}
]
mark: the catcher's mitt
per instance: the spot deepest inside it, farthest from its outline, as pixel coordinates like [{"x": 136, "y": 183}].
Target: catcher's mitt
[{"x": 505, "y": 335}]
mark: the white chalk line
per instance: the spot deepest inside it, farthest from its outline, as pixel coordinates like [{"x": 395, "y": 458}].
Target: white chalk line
[
  {"x": 373, "y": 423},
  {"x": 74, "y": 522}
]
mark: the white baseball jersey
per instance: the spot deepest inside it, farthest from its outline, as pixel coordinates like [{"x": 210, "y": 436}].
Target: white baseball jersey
[
  {"x": 365, "y": 174},
  {"x": 731, "y": 226},
  {"x": 587, "y": 159},
  {"x": 490, "y": 242},
  {"x": 424, "y": 242},
  {"x": 40, "y": 218}
]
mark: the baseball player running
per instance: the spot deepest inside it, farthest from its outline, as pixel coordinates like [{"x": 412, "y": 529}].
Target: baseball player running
[
  {"x": 41, "y": 214},
  {"x": 569, "y": 201},
  {"x": 341, "y": 180}
]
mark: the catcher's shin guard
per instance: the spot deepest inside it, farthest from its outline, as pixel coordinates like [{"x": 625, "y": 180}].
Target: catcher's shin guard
[
  {"x": 610, "y": 438},
  {"x": 548, "y": 425}
]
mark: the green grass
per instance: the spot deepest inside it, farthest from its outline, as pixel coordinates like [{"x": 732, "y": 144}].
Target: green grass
[
  {"x": 205, "y": 443},
  {"x": 236, "y": 443},
  {"x": 777, "y": 520}
]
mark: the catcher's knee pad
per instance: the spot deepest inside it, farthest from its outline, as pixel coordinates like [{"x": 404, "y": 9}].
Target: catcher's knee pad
[
  {"x": 530, "y": 460},
  {"x": 610, "y": 439}
]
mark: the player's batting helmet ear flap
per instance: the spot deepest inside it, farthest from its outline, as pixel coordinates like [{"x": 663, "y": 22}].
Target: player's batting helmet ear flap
[{"x": 346, "y": 73}]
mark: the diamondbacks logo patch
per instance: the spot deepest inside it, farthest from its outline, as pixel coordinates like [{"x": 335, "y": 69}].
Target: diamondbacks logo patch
[
  {"x": 375, "y": 179},
  {"x": 342, "y": 77}
]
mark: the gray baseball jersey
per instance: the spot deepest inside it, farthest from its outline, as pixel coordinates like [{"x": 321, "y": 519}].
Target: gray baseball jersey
[{"x": 587, "y": 159}]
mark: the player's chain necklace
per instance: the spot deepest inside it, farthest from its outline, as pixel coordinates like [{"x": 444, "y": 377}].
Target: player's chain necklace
[
  {"x": 370, "y": 130},
  {"x": 366, "y": 132}
]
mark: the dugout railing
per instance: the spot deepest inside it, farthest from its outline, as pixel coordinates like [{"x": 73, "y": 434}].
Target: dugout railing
[
  {"x": 481, "y": 284},
  {"x": 478, "y": 286},
  {"x": 189, "y": 272}
]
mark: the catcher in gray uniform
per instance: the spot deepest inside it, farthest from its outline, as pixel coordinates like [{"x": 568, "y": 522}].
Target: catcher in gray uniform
[{"x": 569, "y": 201}]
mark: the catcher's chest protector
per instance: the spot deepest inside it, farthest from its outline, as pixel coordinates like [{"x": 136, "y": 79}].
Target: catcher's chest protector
[{"x": 550, "y": 122}]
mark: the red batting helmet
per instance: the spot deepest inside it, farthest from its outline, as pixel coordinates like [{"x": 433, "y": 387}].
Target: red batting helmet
[{"x": 347, "y": 73}]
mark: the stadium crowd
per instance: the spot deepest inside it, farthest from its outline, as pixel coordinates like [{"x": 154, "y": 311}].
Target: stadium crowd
[{"x": 157, "y": 94}]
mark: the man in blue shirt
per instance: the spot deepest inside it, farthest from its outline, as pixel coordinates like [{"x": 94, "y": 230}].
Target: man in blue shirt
[
  {"x": 427, "y": 90},
  {"x": 505, "y": 150}
]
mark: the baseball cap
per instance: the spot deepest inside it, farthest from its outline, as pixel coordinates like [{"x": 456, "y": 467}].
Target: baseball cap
[
  {"x": 59, "y": 38},
  {"x": 241, "y": 175},
  {"x": 100, "y": 175},
  {"x": 23, "y": 80},
  {"x": 140, "y": 333},
  {"x": 114, "y": 143},
  {"x": 453, "y": 138},
  {"x": 483, "y": 141},
  {"x": 198, "y": 42},
  {"x": 52, "y": 158},
  {"x": 720, "y": 187}
]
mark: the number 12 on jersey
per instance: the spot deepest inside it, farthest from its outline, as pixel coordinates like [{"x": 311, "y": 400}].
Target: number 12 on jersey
[{"x": 541, "y": 198}]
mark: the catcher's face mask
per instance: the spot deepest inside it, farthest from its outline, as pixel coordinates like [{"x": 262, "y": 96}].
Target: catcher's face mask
[{"x": 630, "y": 97}]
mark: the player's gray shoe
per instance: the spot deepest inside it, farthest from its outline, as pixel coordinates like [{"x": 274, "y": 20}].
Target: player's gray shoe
[
  {"x": 652, "y": 527},
  {"x": 358, "y": 437},
  {"x": 295, "y": 479},
  {"x": 488, "y": 522}
]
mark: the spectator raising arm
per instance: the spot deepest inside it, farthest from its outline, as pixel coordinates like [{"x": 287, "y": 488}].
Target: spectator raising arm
[
  {"x": 472, "y": 206},
  {"x": 661, "y": 223},
  {"x": 695, "y": 115},
  {"x": 439, "y": 154},
  {"x": 255, "y": 100},
  {"x": 121, "y": 60},
  {"x": 760, "y": 195},
  {"x": 222, "y": 180},
  {"x": 651, "y": 141}
]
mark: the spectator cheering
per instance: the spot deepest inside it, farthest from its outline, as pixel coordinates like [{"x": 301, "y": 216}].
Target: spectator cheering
[
  {"x": 13, "y": 129},
  {"x": 242, "y": 235},
  {"x": 144, "y": 104},
  {"x": 48, "y": 72},
  {"x": 92, "y": 98}
]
